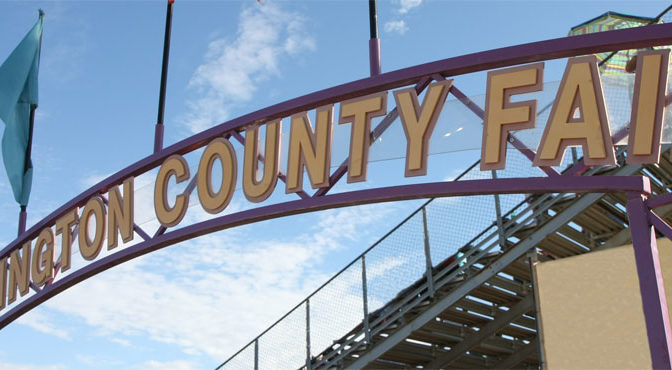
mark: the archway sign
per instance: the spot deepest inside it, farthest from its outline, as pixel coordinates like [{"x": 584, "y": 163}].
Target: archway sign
[{"x": 33, "y": 272}]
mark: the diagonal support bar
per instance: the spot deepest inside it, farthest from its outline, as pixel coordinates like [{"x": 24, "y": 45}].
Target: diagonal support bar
[
  {"x": 490, "y": 271},
  {"x": 236, "y": 135},
  {"x": 516, "y": 358},
  {"x": 511, "y": 255},
  {"x": 501, "y": 320},
  {"x": 187, "y": 191},
  {"x": 651, "y": 285},
  {"x": 660, "y": 225},
  {"x": 375, "y": 134},
  {"x": 478, "y": 111},
  {"x": 659, "y": 201},
  {"x": 136, "y": 227}
]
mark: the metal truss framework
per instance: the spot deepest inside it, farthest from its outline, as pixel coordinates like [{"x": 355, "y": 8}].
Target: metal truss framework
[
  {"x": 658, "y": 332},
  {"x": 377, "y": 342},
  {"x": 644, "y": 261},
  {"x": 478, "y": 278},
  {"x": 362, "y": 350},
  {"x": 637, "y": 188},
  {"x": 526, "y": 304}
]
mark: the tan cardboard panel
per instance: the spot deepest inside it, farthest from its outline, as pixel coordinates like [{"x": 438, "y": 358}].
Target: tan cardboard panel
[{"x": 591, "y": 312}]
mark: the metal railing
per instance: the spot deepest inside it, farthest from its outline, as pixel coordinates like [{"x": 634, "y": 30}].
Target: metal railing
[{"x": 420, "y": 253}]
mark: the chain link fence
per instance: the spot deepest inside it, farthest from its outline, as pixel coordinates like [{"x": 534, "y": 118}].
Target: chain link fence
[
  {"x": 430, "y": 247},
  {"x": 392, "y": 274}
]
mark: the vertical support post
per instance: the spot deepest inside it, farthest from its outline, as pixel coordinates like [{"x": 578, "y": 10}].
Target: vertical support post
[
  {"x": 158, "y": 137},
  {"x": 365, "y": 300},
  {"x": 374, "y": 57},
  {"x": 374, "y": 41},
  {"x": 532, "y": 260},
  {"x": 158, "y": 129},
  {"x": 650, "y": 282},
  {"x": 23, "y": 215},
  {"x": 256, "y": 354},
  {"x": 309, "y": 365},
  {"x": 428, "y": 256},
  {"x": 498, "y": 212}
]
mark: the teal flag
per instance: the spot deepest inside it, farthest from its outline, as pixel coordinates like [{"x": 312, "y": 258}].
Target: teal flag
[{"x": 18, "y": 95}]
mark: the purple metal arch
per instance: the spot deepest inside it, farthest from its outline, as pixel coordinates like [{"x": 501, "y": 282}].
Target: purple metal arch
[
  {"x": 421, "y": 74},
  {"x": 532, "y": 52},
  {"x": 558, "y": 184}
]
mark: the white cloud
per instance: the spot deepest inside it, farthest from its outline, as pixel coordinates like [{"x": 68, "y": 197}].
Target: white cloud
[
  {"x": 63, "y": 55},
  {"x": 220, "y": 290},
  {"x": 399, "y": 27},
  {"x": 175, "y": 365},
  {"x": 14, "y": 366},
  {"x": 121, "y": 342},
  {"x": 233, "y": 69},
  {"x": 99, "y": 362},
  {"x": 86, "y": 360},
  {"x": 38, "y": 320},
  {"x": 93, "y": 179},
  {"x": 406, "y": 5}
]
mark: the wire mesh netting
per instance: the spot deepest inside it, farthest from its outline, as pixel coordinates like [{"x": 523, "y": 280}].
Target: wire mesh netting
[
  {"x": 243, "y": 360},
  {"x": 285, "y": 343},
  {"x": 336, "y": 310},
  {"x": 398, "y": 261},
  {"x": 396, "y": 267},
  {"x": 446, "y": 216},
  {"x": 336, "y": 320},
  {"x": 396, "y": 274}
]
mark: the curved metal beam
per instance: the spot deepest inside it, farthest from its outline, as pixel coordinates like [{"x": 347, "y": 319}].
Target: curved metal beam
[
  {"x": 638, "y": 184},
  {"x": 633, "y": 38}
]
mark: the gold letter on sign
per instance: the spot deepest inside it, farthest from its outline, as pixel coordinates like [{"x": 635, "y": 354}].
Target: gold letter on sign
[
  {"x": 214, "y": 202},
  {"x": 359, "y": 112},
  {"x": 168, "y": 216},
  {"x": 648, "y": 106},
  {"x": 64, "y": 226},
  {"x": 88, "y": 248},
  {"x": 580, "y": 93},
  {"x": 19, "y": 272},
  {"x": 257, "y": 191},
  {"x": 3, "y": 283},
  {"x": 120, "y": 214},
  {"x": 43, "y": 260},
  {"x": 419, "y": 122},
  {"x": 502, "y": 116},
  {"x": 309, "y": 149}
]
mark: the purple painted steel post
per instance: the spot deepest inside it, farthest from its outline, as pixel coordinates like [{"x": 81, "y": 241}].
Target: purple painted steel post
[
  {"x": 374, "y": 56},
  {"x": 650, "y": 283},
  {"x": 374, "y": 41},
  {"x": 158, "y": 137},
  {"x": 23, "y": 215}
]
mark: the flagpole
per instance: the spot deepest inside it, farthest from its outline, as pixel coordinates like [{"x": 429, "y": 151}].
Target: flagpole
[
  {"x": 158, "y": 130},
  {"x": 374, "y": 41},
  {"x": 23, "y": 214}
]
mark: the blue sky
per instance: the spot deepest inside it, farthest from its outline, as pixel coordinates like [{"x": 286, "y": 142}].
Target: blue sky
[{"x": 194, "y": 304}]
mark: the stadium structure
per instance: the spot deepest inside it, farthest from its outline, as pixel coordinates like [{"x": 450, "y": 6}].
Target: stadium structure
[{"x": 460, "y": 290}]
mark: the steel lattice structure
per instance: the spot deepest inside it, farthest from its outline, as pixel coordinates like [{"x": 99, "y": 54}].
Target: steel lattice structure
[{"x": 441, "y": 288}]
